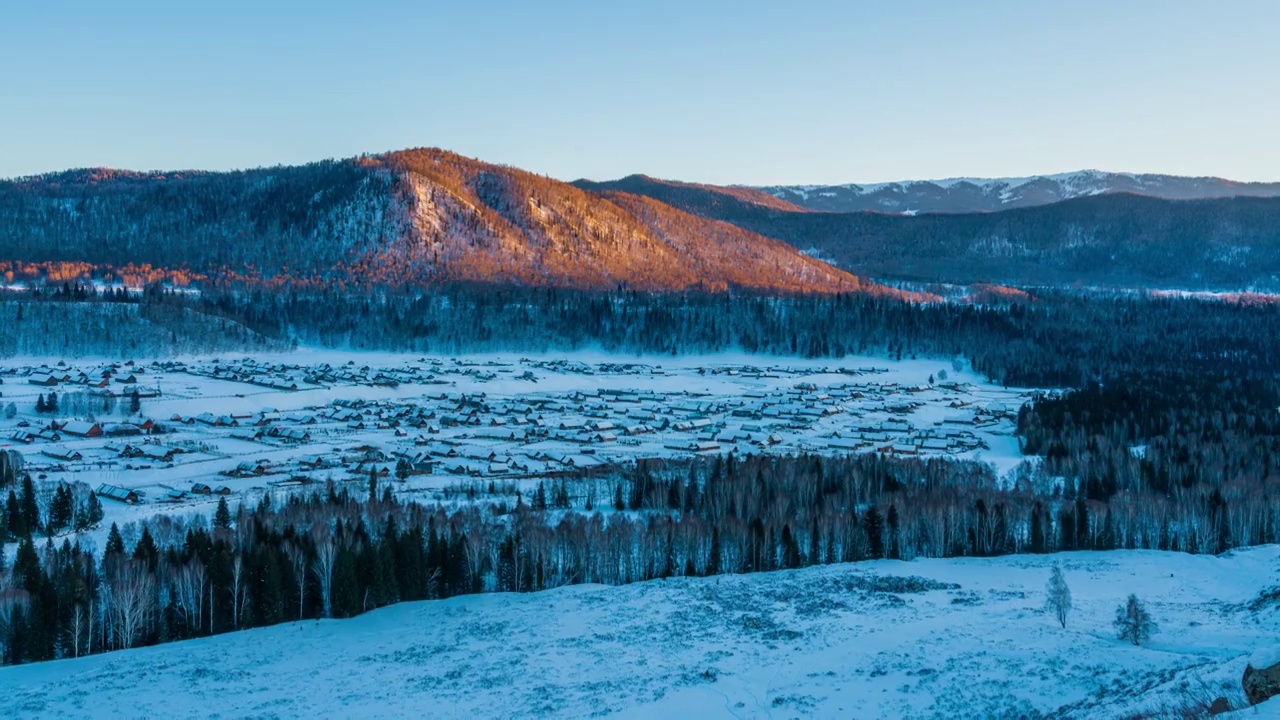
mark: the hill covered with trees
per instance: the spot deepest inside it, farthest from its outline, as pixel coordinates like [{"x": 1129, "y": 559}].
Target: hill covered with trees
[
  {"x": 424, "y": 216},
  {"x": 409, "y": 218},
  {"x": 1115, "y": 240}
]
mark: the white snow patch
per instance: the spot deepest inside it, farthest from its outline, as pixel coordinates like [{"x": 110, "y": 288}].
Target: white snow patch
[{"x": 971, "y": 639}]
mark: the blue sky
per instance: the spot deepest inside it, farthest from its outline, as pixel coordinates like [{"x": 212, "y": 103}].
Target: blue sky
[{"x": 726, "y": 92}]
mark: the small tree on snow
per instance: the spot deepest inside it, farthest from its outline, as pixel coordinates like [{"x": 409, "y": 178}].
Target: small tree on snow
[
  {"x": 222, "y": 516},
  {"x": 1058, "y": 600},
  {"x": 1133, "y": 622}
]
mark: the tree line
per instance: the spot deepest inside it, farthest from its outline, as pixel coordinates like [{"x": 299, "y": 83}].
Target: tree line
[
  {"x": 1052, "y": 339},
  {"x": 343, "y": 551},
  {"x": 1039, "y": 338},
  {"x": 1211, "y": 441}
]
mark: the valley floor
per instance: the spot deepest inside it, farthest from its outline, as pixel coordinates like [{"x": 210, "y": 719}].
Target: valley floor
[
  {"x": 279, "y": 424},
  {"x": 921, "y": 639}
]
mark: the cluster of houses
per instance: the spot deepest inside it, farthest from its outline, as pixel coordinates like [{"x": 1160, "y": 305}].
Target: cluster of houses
[
  {"x": 472, "y": 434},
  {"x": 147, "y": 451},
  {"x": 290, "y": 376},
  {"x": 108, "y": 379},
  {"x": 541, "y": 433},
  {"x": 55, "y": 430},
  {"x": 133, "y": 497}
]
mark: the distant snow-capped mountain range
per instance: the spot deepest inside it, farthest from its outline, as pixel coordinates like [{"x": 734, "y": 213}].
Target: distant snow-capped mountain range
[{"x": 968, "y": 194}]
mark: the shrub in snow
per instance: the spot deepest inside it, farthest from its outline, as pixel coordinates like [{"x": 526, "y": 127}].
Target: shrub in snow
[{"x": 896, "y": 584}]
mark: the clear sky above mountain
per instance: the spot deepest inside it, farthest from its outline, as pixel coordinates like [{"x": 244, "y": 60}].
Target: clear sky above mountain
[{"x": 826, "y": 91}]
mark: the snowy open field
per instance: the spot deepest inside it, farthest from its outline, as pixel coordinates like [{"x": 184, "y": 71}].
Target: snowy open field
[
  {"x": 922, "y": 639},
  {"x": 274, "y": 423}
]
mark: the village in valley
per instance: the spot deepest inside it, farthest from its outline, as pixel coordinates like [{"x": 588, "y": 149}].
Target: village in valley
[{"x": 173, "y": 435}]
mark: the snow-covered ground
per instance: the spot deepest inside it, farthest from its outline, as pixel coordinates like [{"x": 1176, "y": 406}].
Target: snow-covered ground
[{"x": 924, "y": 639}]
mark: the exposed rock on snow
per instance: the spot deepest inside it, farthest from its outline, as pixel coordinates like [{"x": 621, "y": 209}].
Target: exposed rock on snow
[{"x": 1262, "y": 676}]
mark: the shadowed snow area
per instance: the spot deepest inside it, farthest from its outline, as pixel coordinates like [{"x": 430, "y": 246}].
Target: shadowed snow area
[{"x": 927, "y": 638}]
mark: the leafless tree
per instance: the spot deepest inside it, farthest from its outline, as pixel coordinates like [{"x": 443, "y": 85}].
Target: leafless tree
[
  {"x": 239, "y": 594},
  {"x": 131, "y": 601},
  {"x": 322, "y": 566},
  {"x": 1058, "y": 596},
  {"x": 79, "y": 629},
  {"x": 188, "y": 588},
  {"x": 298, "y": 559},
  {"x": 1133, "y": 622}
]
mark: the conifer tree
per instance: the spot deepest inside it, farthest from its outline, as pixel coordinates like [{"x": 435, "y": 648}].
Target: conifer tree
[
  {"x": 790, "y": 549},
  {"x": 115, "y": 543},
  {"x": 714, "y": 555},
  {"x": 675, "y": 493},
  {"x": 1036, "y": 541},
  {"x": 874, "y": 525},
  {"x": 146, "y": 549},
  {"x": 30, "y": 506},
  {"x": 895, "y": 551},
  {"x": 222, "y": 516},
  {"x": 60, "y": 509},
  {"x": 15, "y": 521},
  {"x": 93, "y": 510}
]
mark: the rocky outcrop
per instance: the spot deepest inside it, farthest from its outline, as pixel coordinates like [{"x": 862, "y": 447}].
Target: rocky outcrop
[{"x": 1262, "y": 676}]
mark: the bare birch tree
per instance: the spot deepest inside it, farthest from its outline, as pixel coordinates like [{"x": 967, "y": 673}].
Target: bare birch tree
[
  {"x": 189, "y": 581},
  {"x": 1058, "y": 596},
  {"x": 131, "y": 600},
  {"x": 238, "y": 591},
  {"x": 79, "y": 629},
  {"x": 322, "y": 567},
  {"x": 298, "y": 559}
]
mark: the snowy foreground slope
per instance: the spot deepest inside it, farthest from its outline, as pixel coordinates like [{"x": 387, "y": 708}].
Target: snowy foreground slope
[{"x": 929, "y": 638}]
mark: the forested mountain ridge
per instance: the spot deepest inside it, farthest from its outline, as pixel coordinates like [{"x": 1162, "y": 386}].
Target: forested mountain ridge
[
  {"x": 718, "y": 201},
  {"x": 960, "y": 195},
  {"x": 1116, "y": 240},
  {"x": 269, "y": 220},
  {"x": 407, "y": 218},
  {"x": 424, "y": 216}
]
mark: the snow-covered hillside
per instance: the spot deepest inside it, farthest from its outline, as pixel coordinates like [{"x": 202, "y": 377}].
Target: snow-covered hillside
[
  {"x": 930, "y": 638},
  {"x": 967, "y": 194}
]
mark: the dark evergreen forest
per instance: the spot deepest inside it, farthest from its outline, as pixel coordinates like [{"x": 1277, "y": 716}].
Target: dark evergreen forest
[{"x": 1058, "y": 339}]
